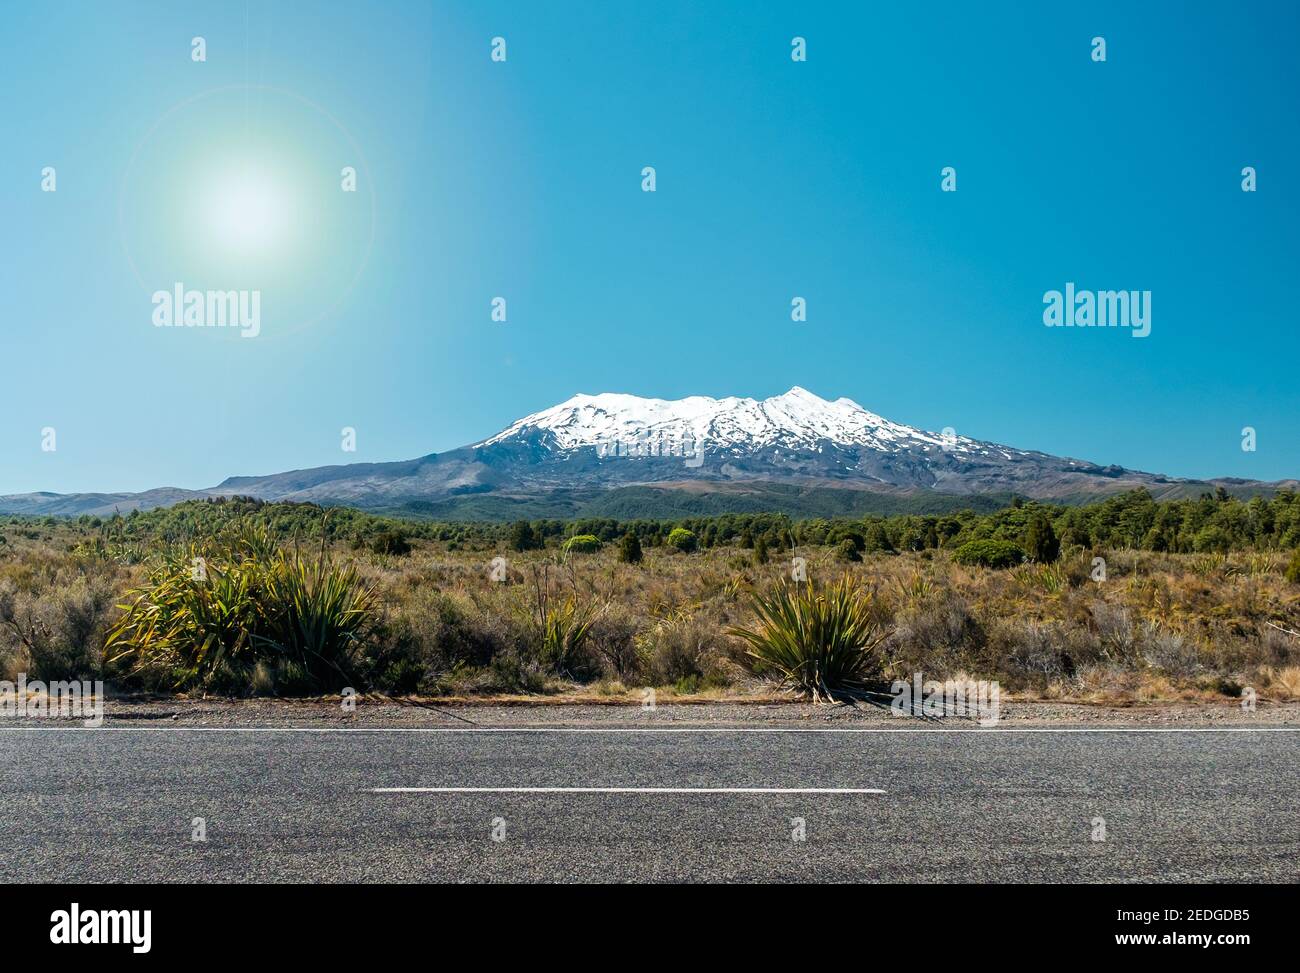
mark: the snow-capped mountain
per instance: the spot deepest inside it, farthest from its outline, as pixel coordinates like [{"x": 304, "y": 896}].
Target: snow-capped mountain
[
  {"x": 627, "y": 456},
  {"x": 797, "y": 419},
  {"x": 797, "y": 436}
]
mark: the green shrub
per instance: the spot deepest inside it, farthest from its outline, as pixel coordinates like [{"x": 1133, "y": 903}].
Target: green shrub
[
  {"x": 319, "y": 614},
  {"x": 54, "y": 630},
  {"x": 820, "y": 642},
  {"x": 682, "y": 539},
  {"x": 1292, "y": 573},
  {"x": 1212, "y": 540},
  {"x": 447, "y": 631},
  {"x": 876, "y": 540},
  {"x": 213, "y": 620},
  {"x": 989, "y": 554},
  {"x": 679, "y": 649},
  {"x": 183, "y": 630},
  {"x": 1049, "y": 578},
  {"x": 1041, "y": 542},
  {"x": 582, "y": 544},
  {"x": 613, "y": 641},
  {"x": 562, "y": 634},
  {"x": 390, "y": 542},
  {"x": 523, "y": 537},
  {"x": 846, "y": 550},
  {"x": 629, "y": 549}
]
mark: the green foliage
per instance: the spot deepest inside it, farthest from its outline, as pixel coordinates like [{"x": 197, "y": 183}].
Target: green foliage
[
  {"x": 1214, "y": 523},
  {"x": 876, "y": 540},
  {"x": 1292, "y": 573},
  {"x": 1212, "y": 539},
  {"x": 682, "y": 539},
  {"x": 563, "y": 630},
  {"x": 629, "y": 549},
  {"x": 581, "y": 544},
  {"x": 1048, "y": 578},
  {"x": 561, "y": 625},
  {"x": 989, "y": 554},
  {"x": 820, "y": 642},
  {"x": 392, "y": 542},
  {"x": 1041, "y": 542},
  {"x": 524, "y": 538},
  {"x": 210, "y": 617},
  {"x": 846, "y": 550},
  {"x": 319, "y": 615},
  {"x": 58, "y": 623}
]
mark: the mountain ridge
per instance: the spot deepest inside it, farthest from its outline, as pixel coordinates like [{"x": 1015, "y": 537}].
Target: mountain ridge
[{"x": 614, "y": 449}]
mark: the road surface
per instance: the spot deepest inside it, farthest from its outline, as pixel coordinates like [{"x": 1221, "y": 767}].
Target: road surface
[{"x": 624, "y": 804}]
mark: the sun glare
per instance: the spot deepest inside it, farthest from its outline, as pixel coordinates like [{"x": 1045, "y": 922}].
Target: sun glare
[{"x": 246, "y": 211}]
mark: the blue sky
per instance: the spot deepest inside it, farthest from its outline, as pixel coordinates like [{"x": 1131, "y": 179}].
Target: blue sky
[{"x": 522, "y": 179}]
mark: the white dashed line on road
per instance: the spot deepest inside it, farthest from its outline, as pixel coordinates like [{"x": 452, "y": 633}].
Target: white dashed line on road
[{"x": 625, "y": 790}]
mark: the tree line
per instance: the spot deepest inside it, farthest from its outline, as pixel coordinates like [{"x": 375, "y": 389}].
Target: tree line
[{"x": 1213, "y": 523}]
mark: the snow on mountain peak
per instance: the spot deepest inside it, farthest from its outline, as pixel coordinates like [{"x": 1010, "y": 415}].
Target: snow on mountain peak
[{"x": 796, "y": 419}]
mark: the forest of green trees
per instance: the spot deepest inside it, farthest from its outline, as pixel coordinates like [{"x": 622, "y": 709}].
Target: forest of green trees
[{"x": 1214, "y": 523}]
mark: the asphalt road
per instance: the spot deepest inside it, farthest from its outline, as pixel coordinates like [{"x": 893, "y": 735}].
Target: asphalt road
[{"x": 117, "y": 805}]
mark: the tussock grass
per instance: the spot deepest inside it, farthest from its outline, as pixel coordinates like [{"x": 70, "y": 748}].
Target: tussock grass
[{"x": 279, "y": 617}]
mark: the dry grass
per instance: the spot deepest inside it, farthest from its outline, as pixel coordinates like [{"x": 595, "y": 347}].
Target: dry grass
[{"x": 1160, "y": 627}]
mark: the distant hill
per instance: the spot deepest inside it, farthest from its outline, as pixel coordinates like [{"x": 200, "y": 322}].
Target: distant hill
[{"x": 625, "y": 456}]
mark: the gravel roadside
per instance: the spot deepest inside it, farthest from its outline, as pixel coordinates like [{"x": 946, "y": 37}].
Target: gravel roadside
[{"x": 373, "y": 712}]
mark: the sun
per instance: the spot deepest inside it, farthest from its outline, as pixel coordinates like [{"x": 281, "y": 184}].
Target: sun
[{"x": 246, "y": 210}]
